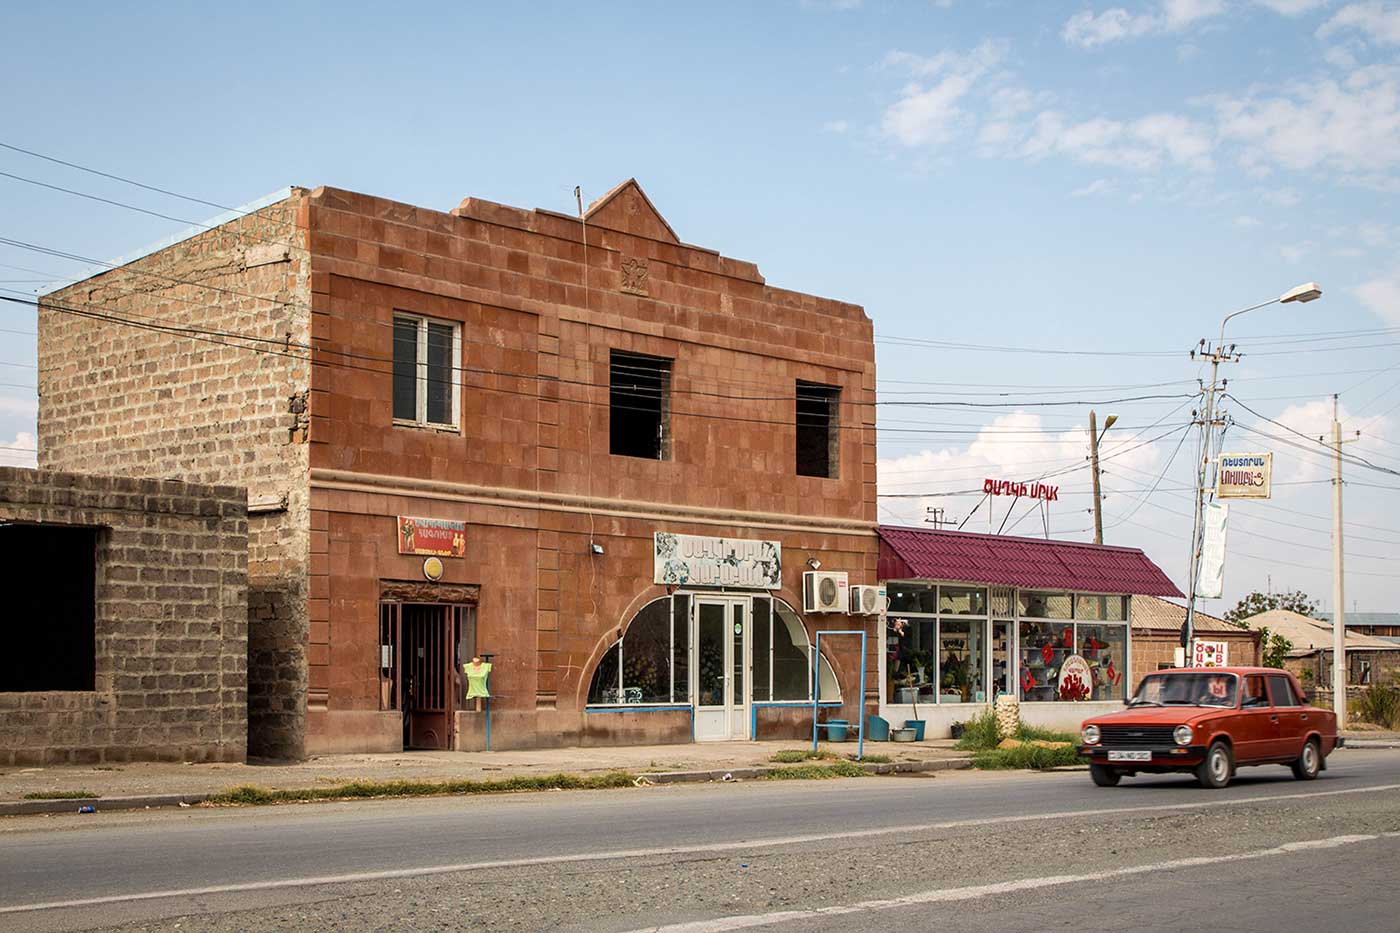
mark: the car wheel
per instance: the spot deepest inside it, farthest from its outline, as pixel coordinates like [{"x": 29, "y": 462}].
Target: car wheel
[
  {"x": 1309, "y": 762},
  {"x": 1105, "y": 777},
  {"x": 1215, "y": 770}
]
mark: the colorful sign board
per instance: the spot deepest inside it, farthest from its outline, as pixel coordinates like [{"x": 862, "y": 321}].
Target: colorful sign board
[
  {"x": 1003, "y": 487},
  {"x": 435, "y": 537},
  {"x": 695, "y": 560},
  {"x": 1244, "y": 476},
  {"x": 1210, "y": 654}
]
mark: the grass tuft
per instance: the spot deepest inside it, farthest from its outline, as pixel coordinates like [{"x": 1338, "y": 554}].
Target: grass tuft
[
  {"x": 789, "y": 756},
  {"x": 251, "y": 795},
  {"x": 840, "y": 769},
  {"x": 1033, "y": 757},
  {"x": 61, "y": 795}
]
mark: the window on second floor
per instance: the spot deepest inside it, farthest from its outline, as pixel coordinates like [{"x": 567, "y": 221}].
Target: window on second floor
[
  {"x": 639, "y": 406},
  {"x": 818, "y": 429},
  {"x": 426, "y": 371}
]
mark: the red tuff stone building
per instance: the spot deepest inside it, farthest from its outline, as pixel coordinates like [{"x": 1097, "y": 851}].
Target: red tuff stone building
[{"x": 598, "y": 458}]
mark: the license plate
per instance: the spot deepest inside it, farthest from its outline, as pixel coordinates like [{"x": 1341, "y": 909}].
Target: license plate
[{"x": 1129, "y": 756}]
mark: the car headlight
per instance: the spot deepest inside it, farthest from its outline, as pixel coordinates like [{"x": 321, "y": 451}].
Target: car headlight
[
  {"x": 1090, "y": 735},
  {"x": 1183, "y": 735}
]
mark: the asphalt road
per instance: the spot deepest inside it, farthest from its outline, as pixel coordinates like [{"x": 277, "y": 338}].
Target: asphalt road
[{"x": 969, "y": 849}]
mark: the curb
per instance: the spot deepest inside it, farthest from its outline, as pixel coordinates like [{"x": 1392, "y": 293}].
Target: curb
[
  {"x": 741, "y": 774},
  {"x": 72, "y": 805},
  {"x": 154, "y": 801},
  {"x": 1365, "y": 746}
]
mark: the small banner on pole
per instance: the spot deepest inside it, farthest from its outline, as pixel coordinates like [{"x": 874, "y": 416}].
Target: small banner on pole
[
  {"x": 1244, "y": 476},
  {"x": 1210, "y": 582}
]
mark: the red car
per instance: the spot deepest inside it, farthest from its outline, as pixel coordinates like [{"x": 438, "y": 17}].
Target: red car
[{"x": 1210, "y": 721}]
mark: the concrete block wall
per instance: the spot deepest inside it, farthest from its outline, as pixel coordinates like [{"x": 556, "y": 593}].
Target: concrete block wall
[
  {"x": 171, "y": 623},
  {"x": 226, "y": 405}
]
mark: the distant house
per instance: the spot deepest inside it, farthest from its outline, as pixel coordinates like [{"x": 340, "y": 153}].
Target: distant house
[
  {"x": 1375, "y": 624},
  {"x": 1369, "y": 659},
  {"x": 1156, "y": 624}
]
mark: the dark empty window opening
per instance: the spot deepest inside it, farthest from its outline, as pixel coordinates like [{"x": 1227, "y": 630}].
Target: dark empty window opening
[
  {"x": 50, "y": 578},
  {"x": 639, "y": 417},
  {"x": 818, "y": 430}
]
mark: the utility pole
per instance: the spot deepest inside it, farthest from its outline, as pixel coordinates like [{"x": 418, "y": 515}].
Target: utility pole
[
  {"x": 1309, "y": 291},
  {"x": 1094, "y": 468},
  {"x": 1339, "y": 665}
]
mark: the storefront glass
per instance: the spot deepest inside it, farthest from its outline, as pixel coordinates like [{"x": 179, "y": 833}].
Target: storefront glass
[
  {"x": 1001, "y": 660},
  {"x": 792, "y": 672},
  {"x": 1105, "y": 647},
  {"x": 648, "y": 666},
  {"x": 1036, "y": 605},
  {"x": 961, "y": 659}
]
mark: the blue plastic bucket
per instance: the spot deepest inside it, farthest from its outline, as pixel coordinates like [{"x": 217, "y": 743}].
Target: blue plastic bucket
[
  {"x": 918, "y": 726},
  {"x": 877, "y": 728},
  {"x": 836, "y": 730}
]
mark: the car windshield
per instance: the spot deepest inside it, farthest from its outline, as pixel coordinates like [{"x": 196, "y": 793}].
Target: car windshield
[{"x": 1187, "y": 688}]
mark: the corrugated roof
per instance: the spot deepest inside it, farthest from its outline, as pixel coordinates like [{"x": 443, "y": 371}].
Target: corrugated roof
[
  {"x": 1307, "y": 634},
  {"x": 1002, "y": 560},
  {"x": 1153, "y": 612},
  {"x": 1365, "y": 618}
]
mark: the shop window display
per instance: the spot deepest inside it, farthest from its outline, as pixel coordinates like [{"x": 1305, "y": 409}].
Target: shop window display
[
  {"x": 1001, "y": 660},
  {"x": 962, "y": 600},
  {"x": 1105, "y": 648},
  {"x": 637, "y": 669},
  {"x": 912, "y": 597},
  {"x": 1046, "y": 605},
  {"x": 1101, "y": 608},
  {"x": 961, "y": 661},
  {"x": 1044, "y": 647}
]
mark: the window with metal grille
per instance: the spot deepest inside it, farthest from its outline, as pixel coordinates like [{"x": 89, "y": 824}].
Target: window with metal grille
[
  {"x": 639, "y": 406},
  {"x": 818, "y": 430},
  {"x": 426, "y": 372}
]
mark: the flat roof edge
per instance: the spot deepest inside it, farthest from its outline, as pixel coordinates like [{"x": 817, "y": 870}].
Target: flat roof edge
[{"x": 280, "y": 194}]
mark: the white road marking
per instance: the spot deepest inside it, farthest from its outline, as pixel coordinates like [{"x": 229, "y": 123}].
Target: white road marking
[
  {"x": 950, "y": 895},
  {"x": 771, "y": 842}
]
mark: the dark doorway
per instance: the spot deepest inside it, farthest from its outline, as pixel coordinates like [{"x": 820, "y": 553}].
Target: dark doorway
[
  {"x": 422, "y": 647},
  {"x": 49, "y": 574}
]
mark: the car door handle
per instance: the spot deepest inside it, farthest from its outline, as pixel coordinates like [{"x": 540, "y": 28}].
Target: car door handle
[
  {"x": 1273, "y": 719},
  {"x": 1305, "y": 717}
]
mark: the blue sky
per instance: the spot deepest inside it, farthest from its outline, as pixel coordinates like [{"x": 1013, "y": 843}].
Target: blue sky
[{"x": 1093, "y": 177}]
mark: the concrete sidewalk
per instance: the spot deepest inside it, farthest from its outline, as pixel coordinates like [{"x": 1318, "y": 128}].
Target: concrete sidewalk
[{"x": 141, "y": 784}]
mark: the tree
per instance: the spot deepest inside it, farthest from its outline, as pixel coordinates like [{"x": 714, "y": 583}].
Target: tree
[
  {"x": 1255, "y": 603},
  {"x": 1272, "y": 648}
]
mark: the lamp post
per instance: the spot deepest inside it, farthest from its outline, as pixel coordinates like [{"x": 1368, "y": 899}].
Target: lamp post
[
  {"x": 1309, "y": 291},
  {"x": 1094, "y": 437}
]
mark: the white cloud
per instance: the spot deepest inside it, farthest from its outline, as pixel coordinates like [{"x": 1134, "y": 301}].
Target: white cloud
[
  {"x": 1295, "y": 252},
  {"x": 1245, "y": 221},
  {"x": 1381, "y": 296},
  {"x": 23, "y": 407},
  {"x": 928, "y": 107},
  {"x": 1292, "y": 7},
  {"x": 1350, "y": 125},
  {"x": 1089, "y": 29},
  {"x": 1097, "y": 186},
  {"x": 1376, "y": 21},
  {"x": 20, "y": 450},
  {"x": 835, "y": 126},
  {"x": 1142, "y": 144},
  {"x": 1282, "y": 197}
]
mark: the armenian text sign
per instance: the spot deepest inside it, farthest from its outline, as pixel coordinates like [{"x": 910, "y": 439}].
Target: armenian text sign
[
  {"x": 1210, "y": 654},
  {"x": 1244, "y": 476},
  {"x": 694, "y": 560},
  {"x": 1002, "y": 487},
  {"x": 435, "y": 537}
]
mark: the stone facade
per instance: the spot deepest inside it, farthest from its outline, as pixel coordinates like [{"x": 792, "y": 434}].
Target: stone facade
[
  {"x": 225, "y": 406},
  {"x": 528, "y": 467},
  {"x": 170, "y": 622}
]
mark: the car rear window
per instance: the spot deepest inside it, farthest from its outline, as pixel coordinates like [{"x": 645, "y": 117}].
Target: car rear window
[{"x": 1282, "y": 690}]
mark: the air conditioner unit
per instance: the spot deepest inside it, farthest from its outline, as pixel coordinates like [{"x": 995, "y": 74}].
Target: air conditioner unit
[
  {"x": 867, "y": 600},
  {"x": 823, "y": 591}
]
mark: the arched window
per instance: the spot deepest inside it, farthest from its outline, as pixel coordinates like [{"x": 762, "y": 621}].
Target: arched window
[
  {"x": 782, "y": 655},
  {"x": 650, "y": 664}
]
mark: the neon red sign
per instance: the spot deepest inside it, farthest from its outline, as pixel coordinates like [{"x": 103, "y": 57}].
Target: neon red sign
[{"x": 1002, "y": 487}]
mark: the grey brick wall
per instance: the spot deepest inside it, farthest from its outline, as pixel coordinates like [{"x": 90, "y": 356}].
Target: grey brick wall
[
  {"x": 171, "y": 623},
  {"x": 118, "y": 398}
]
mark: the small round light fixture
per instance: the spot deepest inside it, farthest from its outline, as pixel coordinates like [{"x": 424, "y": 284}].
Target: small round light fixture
[{"x": 432, "y": 568}]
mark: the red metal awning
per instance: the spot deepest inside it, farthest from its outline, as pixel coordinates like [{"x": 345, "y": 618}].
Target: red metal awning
[{"x": 1001, "y": 560}]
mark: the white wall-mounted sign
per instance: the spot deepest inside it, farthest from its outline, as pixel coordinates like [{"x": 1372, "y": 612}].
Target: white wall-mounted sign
[
  {"x": 1244, "y": 476},
  {"x": 1210, "y": 654},
  {"x": 694, "y": 560}
]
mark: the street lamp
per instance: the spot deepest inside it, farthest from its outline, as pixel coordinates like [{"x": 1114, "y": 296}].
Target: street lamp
[
  {"x": 1094, "y": 437},
  {"x": 1308, "y": 291}
]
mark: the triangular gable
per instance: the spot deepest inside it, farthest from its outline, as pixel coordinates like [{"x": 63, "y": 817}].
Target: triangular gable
[{"x": 626, "y": 208}]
